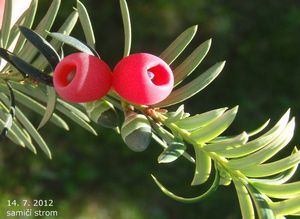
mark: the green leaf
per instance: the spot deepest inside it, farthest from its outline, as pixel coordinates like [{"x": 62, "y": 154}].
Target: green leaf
[
  {"x": 262, "y": 207},
  {"x": 127, "y": 27},
  {"x": 266, "y": 152},
  {"x": 268, "y": 169},
  {"x": 177, "y": 115},
  {"x": 28, "y": 69},
  {"x": 25, "y": 68},
  {"x": 76, "y": 118},
  {"x": 30, "y": 128},
  {"x": 29, "y": 52},
  {"x": 6, "y": 24},
  {"x": 35, "y": 106},
  {"x": 172, "y": 152},
  {"x": 212, "y": 189},
  {"x": 203, "y": 167},
  {"x": 66, "y": 28},
  {"x": 244, "y": 200},
  {"x": 191, "y": 62},
  {"x": 167, "y": 137},
  {"x": 294, "y": 214},
  {"x": 74, "y": 110},
  {"x": 164, "y": 145},
  {"x": 192, "y": 88},
  {"x": 16, "y": 134},
  {"x": 7, "y": 56},
  {"x": 42, "y": 45},
  {"x": 178, "y": 45},
  {"x": 287, "y": 207},
  {"x": 71, "y": 112},
  {"x": 86, "y": 24},
  {"x": 23, "y": 137},
  {"x": 14, "y": 31},
  {"x": 200, "y": 120},
  {"x": 49, "y": 18},
  {"x": 209, "y": 132},
  {"x": 50, "y": 107},
  {"x": 280, "y": 178},
  {"x": 75, "y": 43},
  {"x": 5, "y": 116},
  {"x": 28, "y": 21},
  {"x": 256, "y": 144},
  {"x": 11, "y": 135},
  {"x": 9, "y": 120},
  {"x": 33, "y": 132},
  {"x": 224, "y": 147},
  {"x": 259, "y": 129},
  {"x": 279, "y": 191}
]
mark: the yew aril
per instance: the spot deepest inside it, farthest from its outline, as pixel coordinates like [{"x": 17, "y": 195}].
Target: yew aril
[
  {"x": 81, "y": 77},
  {"x": 143, "y": 79}
]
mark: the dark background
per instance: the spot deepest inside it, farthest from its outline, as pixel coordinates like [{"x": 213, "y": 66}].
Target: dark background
[{"x": 98, "y": 177}]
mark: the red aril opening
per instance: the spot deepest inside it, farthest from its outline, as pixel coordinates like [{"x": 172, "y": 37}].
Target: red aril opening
[{"x": 160, "y": 76}]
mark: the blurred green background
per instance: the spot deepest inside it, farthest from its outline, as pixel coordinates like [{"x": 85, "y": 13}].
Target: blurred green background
[{"x": 99, "y": 177}]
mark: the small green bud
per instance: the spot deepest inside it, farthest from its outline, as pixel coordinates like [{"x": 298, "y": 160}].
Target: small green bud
[
  {"x": 177, "y": 115},
  {"x": 103, "y": 113},
  {"x": 172, "y": 152},
  {"x": 225, "y": 178},
  {"x": 136, "y": 132}
]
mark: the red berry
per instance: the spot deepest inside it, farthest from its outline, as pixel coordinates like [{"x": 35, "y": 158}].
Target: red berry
[
  {"x": 143, "y": 79},
  {"x": 81, "y": 77}
]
